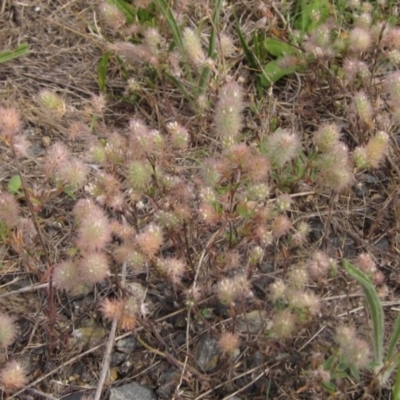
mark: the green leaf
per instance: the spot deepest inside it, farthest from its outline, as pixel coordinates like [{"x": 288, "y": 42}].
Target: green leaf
[
  {"x": 354, "y": 372},
  {"x": 278, "y": 48},
  {"x": 126, "y": 9},
  {"x": 306, "y": 22},
  {"x": 273, "y": 72},
  {"x": 8, "y": 55},
  {"x": 102, "y": 71},
  {"x": 329, "y": 386},
  {"x": 14, "y": 185},
  {"x": 69, "y": 192},
  {"x": 375, "y": 307}
]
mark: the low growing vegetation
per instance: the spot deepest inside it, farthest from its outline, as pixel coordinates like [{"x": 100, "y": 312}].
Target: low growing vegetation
[{"x": 225, "y": 195}]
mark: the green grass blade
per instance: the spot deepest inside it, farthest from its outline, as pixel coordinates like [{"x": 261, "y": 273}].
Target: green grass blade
[
  {"x": 246, "y": 49},
  {"x": 375, "y": 307},
  {"x": 205, "y": 74},
  {"x": 8, "y": 55},
  {"x": 396, "y": 386},
  {"x": 394, "y": 339},
  {"x": 213, "y": 36},
  {"x": 182, "y": 89},
  {"x": 102, "y": 71},
  {"x": 169, "y": 16}
]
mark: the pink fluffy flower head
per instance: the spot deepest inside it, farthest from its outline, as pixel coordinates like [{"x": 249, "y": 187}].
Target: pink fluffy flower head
[
  {"x": 94, "y": 231},
  {"x": 228, "y": 119},
  {"x": 10, "y": 122},
  {"x": 150, "y": 240},
  {"x": 13, "y": 376},
  {"x": 283, "y": 146},
  {"x": 8, "y": 330},
  {"x": 9, "y": 210},
  {"x": 94, "y": 267},
  {"x": 66, "y": 276}
]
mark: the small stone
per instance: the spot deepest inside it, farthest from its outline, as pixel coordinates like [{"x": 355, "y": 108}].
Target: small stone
[
  {"x": 133, "y": 391},
  {"x": 127, "y": 345},
  {"x": 46, "y": 141},
  {"x": 207, "y": 353}
]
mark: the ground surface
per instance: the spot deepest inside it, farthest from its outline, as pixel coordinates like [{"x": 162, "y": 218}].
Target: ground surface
[{"x": 64, "y": 56}]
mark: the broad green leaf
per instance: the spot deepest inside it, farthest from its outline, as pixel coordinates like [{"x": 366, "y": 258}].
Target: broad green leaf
[
  {"x": 102, "y": 71},
  {"x": 375, "y": 307},
  {"x": 278, "y": 48},
  {"x": 14, "y": 184},
  {"x": 8, "y": 55},
  {"x": 273, "y": 72}
]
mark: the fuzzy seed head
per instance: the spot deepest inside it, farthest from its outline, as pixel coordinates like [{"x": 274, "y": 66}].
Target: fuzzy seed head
[
  {"x": 302, "y": 231},
  {"x": 283, "y": 324},
  {"x": 283, "y": 146},
  {"x": 66, "y": 276},
  {"x": 127, "y": 253},
  {"x": 358, "y": 354},
  {"x": 9, "y": 210},
  {"x": 226, "y": 46},
  {"x": 229, "y": 344},
  {"x": 283, "y": 203},
  {"x": 152, "y": 39},
  {"x": 326, "y": 137},
  {"x": 257, "y": 167},
  {"x": 150, "y": 240},
  {"x": 228, "y": 119},
  {"x": 230, "y": 290},
  {"x": 52, "y": 101},
  {"x": 173, "y": 268},
  {"x": 137, "y": 53},
  {"x": 360, "y": 157},
  {"x": 94, "y": 231},
  {"x": 345, "y": 335},
  {"x": 363, "y": 108},
  {"x": 393, "y": 87},
  {"x": 335, "y": 169},
  {"x": 360, "y": 40},
  {"x": 376, "y": 149},
  {"x": 305, "y": 300},
  {"x": 257, "y": 192},
  {"x": 13, "y": 376},
  {"x": 277, "y": 290},
  {"x": 139, "y": 174},
  {"x": 298, "y": 277},
  {"x": 8, "y": 331},
  {"x": 319, "y": 265},
  {"x": 112, "y": 15},
  {"x": 192, "y": 45},
  {"x": 365, "y": 263},
  {"x": 281, "y": 226},
  {"x": 94, "y": 267},
  {"x": 73, "y": 173},
  {"x": 391, "y": 39},
  {"x": 179, "y": 136},
  {"x": 56, "y": 158},
  {"x": 10, "y": 122},
  {"x": 256, "y": 254}
]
